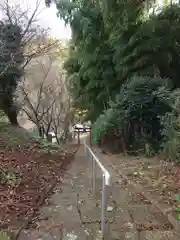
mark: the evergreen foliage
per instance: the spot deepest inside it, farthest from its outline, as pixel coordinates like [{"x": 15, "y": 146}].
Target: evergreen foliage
[
  {"x": 123, "y": 65},
  {"x": 11, "y": 58},
  {"x": 136, "y": 110}
]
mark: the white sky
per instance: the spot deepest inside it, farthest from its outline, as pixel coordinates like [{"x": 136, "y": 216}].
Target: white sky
[{"x": 47, "y": 17}]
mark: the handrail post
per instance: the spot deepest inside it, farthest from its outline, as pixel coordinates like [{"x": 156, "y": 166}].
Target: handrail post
[
  {"x": 103, "y": 206},
  {"x": 93, "y": 177},
  {"x": 105, "y": 184},
  {"x": 90, "y": 137}
]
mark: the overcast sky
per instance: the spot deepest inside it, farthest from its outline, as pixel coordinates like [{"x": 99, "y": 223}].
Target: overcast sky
[{"x": 47, "y": 17}]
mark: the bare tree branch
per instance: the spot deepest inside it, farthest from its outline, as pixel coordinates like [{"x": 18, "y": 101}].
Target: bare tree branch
[
  {"x": 7, "y": 11},
  {"x": 31, "y": 19},
  {"x": 46, "y": 101},
  {"x": 34, "y": 40}
]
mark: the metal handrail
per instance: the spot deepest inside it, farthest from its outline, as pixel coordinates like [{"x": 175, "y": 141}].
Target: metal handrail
[
  {"x": 105, "y": 172},
  {"x": 106, "y": 182}
]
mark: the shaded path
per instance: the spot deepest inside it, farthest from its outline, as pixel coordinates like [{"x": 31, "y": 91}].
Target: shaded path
[
  {"x": 60, "y": 218},
  {"x": 63, "y": 215}
]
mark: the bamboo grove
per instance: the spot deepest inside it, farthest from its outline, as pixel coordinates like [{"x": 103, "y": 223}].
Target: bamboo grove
[{"x": 124, "y": 69}]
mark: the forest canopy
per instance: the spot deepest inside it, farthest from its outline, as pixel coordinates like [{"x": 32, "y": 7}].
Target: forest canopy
[{"x": 123, "y": 67}]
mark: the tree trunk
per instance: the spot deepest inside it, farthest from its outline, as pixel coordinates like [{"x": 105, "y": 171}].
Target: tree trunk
[
  {"x": 11, "y": 113},
  {"x": 40, "y": 130},
  {"x": 49, "y": 138},
  {"x": 123, "y": 145}
]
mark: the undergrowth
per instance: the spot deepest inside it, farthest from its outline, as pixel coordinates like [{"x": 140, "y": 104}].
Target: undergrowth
[
  {"x": 17, "y": 138},
  {"x": 13, "y": 137},
  {"x": 10, "y": 178},
  {"x": 47, "y": 147},
  {"x": 4, "y": 235}
]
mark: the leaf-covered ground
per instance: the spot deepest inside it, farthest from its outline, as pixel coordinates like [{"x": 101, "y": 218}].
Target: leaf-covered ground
[
  {"x": 27, "y": 175},
  {"x": 159, "y": 178}
]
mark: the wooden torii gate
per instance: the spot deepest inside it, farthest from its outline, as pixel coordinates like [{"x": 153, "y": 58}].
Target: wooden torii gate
[{"x": 83, "y": 129}]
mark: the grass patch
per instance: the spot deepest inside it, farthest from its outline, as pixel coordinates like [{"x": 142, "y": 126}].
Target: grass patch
[
  {"x": 13, "y": 137},
  {"x": 17, "y": 138},
  {"x": 4, "y": 235},
  {"x": 47, "y": 147}
]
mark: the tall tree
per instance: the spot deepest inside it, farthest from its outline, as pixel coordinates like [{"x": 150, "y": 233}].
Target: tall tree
[
  {"x": 114, "y": 40},
  {"x": 10, "y": 68},
  {"x": 90, "y": 67},
  {"x": 21, "y": 41},
  {"x": 148, "y": 50}
]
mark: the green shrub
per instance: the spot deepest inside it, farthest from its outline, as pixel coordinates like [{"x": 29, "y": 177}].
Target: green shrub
[
  {"x": 171, "y": 137},
  {"x": 46, "y": 146},
  {"x": 103, "y": 125},
  {"x": 171, "y": 129},
  {"x": 135, "y": 113},
  {"x": 3, "y": 117}
]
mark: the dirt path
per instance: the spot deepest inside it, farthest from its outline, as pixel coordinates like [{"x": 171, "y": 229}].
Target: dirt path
[{"x": 71, "y": 213}]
